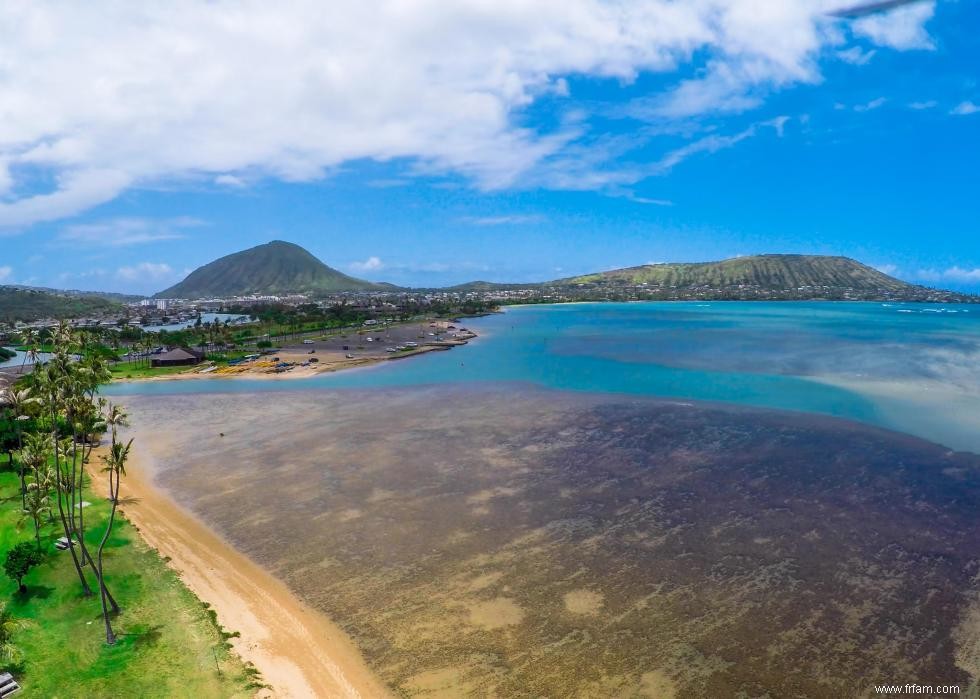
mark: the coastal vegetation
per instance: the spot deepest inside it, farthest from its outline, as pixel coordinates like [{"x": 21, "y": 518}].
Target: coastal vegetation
[
  {"x": 71, "y": 559},
  {"x": 17, "y": 304}
]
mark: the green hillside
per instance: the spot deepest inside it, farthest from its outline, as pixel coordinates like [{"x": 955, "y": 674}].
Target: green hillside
[
  {"x": 29, "y": 305},
  {"x": 273, "y": 268},
  {"x": 108, "y": 295},
  {"x": 769, "y": 272}
]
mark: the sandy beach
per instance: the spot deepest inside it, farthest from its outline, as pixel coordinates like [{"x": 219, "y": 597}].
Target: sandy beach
[{"x": 299, "y": 652}]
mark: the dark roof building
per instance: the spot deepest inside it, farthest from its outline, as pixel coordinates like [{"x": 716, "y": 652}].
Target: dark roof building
[{"x": 176, "y": 357}]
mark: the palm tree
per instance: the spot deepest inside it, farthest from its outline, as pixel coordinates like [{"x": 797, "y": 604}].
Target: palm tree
[
  {"x": 54, "y": 386},
  {"x": 115, "y": 466},
  {"x": 37, "y": 505},
  {"x": 9, "y": 653},
  {"x": 34, "y": 456},
  {"x": 29, "y": 337},
  {"x": 19, "y": 399}
]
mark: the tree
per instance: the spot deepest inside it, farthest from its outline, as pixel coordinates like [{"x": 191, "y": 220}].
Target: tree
[
  {"x": 19, "y": 401},
  {"x": 30, "y": 338},
  {"x": 19, "y": 561},
  {"x": 9, "y": 653},
  {"x": 58, "y": 389},
  {"x": 8, "y": 434},
  {"x": 115, "y": 466},
  {"x": 37, "y": 505}
]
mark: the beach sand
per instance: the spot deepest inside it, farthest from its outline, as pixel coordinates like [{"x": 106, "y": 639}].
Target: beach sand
[
  {"x": 327, "y": 362},
  {"x": 297, "y": 650}
]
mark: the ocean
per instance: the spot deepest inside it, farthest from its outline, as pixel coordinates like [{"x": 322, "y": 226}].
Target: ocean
[
  {"x": 616, "y": 500},
  {"x": 911, "y": 367}
]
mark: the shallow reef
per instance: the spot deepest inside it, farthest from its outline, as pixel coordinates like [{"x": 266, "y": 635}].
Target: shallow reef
[{"x": 510, "y": 542}]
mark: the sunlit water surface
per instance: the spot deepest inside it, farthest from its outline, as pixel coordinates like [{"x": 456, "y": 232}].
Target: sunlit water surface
[{"x": 911, "y": 367}]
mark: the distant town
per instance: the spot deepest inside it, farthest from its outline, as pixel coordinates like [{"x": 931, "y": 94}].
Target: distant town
[{"x": 160, "y": 313}]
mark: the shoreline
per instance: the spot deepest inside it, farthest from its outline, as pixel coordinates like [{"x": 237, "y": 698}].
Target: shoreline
[
  {"x": 329, "y": 366},
  {"x": 298, "y": 650}
]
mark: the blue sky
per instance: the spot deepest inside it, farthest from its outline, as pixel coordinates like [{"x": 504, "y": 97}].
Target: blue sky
[{"x": 512, "y": 142}]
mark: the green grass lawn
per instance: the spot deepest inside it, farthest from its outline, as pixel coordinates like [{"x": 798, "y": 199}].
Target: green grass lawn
[
  {"x": 140, "y": 370},
  {"x": 169, "y": 643}
]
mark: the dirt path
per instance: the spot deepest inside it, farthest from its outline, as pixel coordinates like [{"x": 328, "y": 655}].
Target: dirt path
[{"x": 299, "y": 652}]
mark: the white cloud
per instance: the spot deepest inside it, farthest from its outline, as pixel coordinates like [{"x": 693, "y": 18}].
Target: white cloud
[
  {"x": 6, "y": 272},
  {"x": 230, "y": 181},
  {"x": 647, "y": 200},
  {"x": 714, "y": 143},
  {"x": 869, "y": 106},
  {"x": 104, "y": 96},
  {"x": 965, "y": 108},
  {"x": 953, "y": 274},
  {"x": 508, "y": 220},
  {"x": 146, "y": 272},
  {"x": 856, "y": 55},
  {"x": 77, "y": 190},
  {"x": 123, "y": 232},
  {"x": 926, "y": 104},
  {"x": 887, "y": 269},
  {"x": 371, "y": 264},
  {"x": 902, "y": 28}
]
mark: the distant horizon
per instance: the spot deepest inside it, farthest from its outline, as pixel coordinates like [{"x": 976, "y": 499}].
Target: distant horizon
[{"x": 528, "y": 142}]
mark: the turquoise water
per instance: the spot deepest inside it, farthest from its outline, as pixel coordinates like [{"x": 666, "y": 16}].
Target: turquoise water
[
  {"x": 19, "y": 358},
  {"x": 205, "y": 318},
  {"x": 812, "y": 356}
]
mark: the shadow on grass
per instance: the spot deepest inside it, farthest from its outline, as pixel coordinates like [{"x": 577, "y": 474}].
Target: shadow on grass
[
  {"x": 143, "y": 636},
  {"x": 34, "y": 592}
]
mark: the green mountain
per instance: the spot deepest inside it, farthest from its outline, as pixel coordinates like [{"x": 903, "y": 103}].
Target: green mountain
[
  {"x": 765, "y": 272},
  {"x": 274, "y": 268},
  {"x": 755, "y": 277},
  {"x": 32, "y": 304},
  {"x": 108, "y": 295}
]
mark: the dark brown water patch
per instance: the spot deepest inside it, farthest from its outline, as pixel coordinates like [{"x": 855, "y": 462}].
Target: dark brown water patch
[{"x": 537, "y": 544}]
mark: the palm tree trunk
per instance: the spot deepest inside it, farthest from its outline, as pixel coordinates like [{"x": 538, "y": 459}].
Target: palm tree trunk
[
  {"x": 23, "y": 481},
  {"x": 69, "y": 534},
  {"x": 110, "y": 636},
  {"x": 86, "y": 555}
]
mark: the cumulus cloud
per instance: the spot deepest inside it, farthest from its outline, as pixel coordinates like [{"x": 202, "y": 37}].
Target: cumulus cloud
[
  {"x": 371, "y": 264},
  {"x": 124, "y": 232},
  {"x": 104, "y": 96},
  {"x": 6, "y": 272},
  {"x": 965, "y": 108},
  {"x": 902, "y": 28}
]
